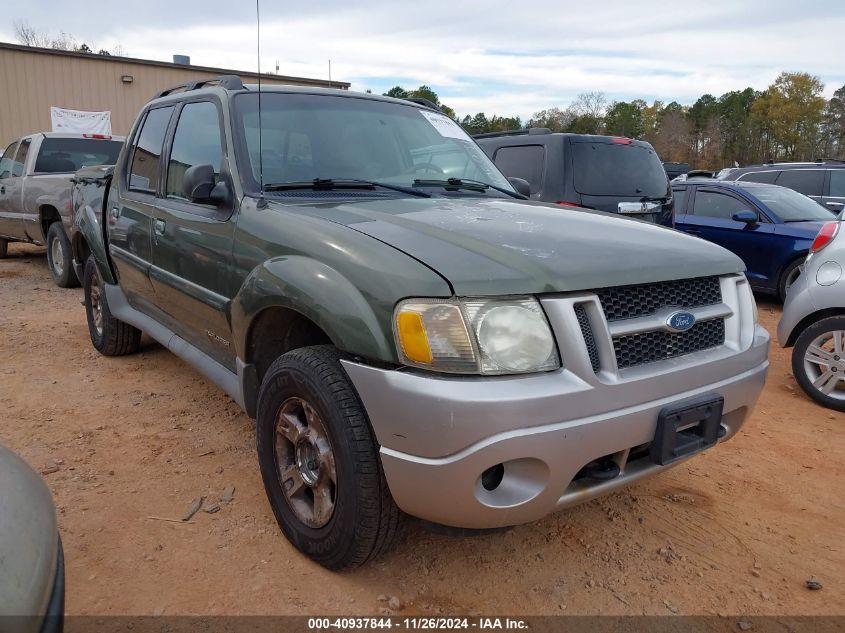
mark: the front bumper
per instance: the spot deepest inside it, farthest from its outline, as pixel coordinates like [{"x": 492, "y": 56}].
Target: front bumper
[{"x": 438, "y": 435}]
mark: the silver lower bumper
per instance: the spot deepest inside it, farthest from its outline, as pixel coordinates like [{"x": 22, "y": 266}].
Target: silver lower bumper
[{"x": 413, "y": 414}]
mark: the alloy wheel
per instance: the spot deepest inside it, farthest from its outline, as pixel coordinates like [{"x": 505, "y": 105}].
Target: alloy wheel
[
  {"x": 305, "y": 462},
  {"x": 824, "y": 364}
]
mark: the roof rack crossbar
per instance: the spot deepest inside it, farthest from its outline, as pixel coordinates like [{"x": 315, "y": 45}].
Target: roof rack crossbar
[
  {"x": 532, "y": 131},
  {"x": 229, "y": 82},
  {"x": 504, "y": 133},
  {"x": 424, "y": 102}
]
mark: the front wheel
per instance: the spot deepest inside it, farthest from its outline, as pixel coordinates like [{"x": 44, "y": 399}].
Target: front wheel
[
  {"x": 110, "y": 336},
  {"x": 818, "y": 362},
  {"x": 319, "y": 461}
]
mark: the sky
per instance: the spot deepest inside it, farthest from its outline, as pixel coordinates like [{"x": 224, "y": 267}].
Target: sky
[{"x": 508, "y": 58}]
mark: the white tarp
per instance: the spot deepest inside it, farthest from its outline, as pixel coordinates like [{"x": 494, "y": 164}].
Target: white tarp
[{"x": 80, "y": 121}]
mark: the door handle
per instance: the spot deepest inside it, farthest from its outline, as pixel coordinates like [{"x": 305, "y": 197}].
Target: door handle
[{"x": 158, "y": 227}]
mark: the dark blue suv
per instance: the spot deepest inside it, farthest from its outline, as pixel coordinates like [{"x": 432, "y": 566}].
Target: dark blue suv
[{"x": 770, "y": 227}]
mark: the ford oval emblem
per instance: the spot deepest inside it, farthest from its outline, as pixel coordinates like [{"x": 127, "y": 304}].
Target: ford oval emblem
[{"x": 680, "y": 321}]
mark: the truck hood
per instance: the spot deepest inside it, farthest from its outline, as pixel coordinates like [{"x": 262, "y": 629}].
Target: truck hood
[{"x": 491, "y": 246}]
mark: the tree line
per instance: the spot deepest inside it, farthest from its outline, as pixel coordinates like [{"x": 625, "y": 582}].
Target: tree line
[{"x": 790, "y": 121}]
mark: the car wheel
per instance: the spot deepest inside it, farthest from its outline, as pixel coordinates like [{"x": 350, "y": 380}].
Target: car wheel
[
  {"x": 789, "y": 277},
  {"x": 59, "y": 257},
  {"x": 4, "y": 248},
  {"x": 110, "y": 336},
  {"x": 818, "y": 362},
  {"x": 319, "y": 461}
]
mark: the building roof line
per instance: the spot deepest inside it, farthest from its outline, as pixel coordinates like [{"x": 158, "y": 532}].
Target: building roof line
[{"x": 151, "y": 62}]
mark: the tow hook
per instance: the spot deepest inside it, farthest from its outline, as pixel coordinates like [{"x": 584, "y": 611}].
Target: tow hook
[{"x": 602, "y": 470}]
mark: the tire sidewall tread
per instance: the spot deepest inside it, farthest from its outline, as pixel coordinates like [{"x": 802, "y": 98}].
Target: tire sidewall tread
[
  {"x": 118, "y": 338},
  {"x": 803, "y": 341},
  {"x": 365, "y": 518},
  {"x": 68, "y": 278}
]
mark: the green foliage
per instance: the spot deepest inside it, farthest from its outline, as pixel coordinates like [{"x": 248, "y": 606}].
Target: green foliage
[{"x": 625, "y": 119}]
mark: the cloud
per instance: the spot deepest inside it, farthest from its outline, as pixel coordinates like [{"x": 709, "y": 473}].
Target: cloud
[{"x": 487, "y": 57}]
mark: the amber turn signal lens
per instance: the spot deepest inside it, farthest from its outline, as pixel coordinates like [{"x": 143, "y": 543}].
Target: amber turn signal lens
[{"x": 413, "y": 338}]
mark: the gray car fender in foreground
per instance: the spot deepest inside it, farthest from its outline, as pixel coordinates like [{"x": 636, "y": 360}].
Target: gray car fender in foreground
[{"x": 29, "y": 545}]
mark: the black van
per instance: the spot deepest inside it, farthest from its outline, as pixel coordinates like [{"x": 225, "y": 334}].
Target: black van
[{"x": 608, "y": 173}]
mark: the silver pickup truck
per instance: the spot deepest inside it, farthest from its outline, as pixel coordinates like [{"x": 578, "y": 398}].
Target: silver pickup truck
[{"x": 35, "y": 189}]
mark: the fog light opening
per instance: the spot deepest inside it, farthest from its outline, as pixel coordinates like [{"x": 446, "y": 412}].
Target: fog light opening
[{"x": 492, "y": 477}]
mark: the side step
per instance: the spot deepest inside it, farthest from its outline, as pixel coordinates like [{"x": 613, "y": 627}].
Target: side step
[{"x": 227, "y": 380}]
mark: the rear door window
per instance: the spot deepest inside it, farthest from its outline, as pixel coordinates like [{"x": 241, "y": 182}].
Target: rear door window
[
  {"x": 615, "y": 169},
  {"x": 20, "y": 157},
  {"x": 146, "y": 157},
  {"x": 59, "y": 155},
  {"x": 806, "y": 181},
  {"x": 837, "y": 183},
  {"x": 523, "y": 161},
  {"x": 713, "y": 204},
  {"x": 767, "y": 177}
]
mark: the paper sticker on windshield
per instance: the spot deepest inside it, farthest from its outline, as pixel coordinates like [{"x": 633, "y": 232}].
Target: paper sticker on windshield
[{"x": 444, "y": 125}]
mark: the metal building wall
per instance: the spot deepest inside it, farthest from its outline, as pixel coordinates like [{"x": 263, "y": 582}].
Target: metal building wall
[{"x": 33, "y": 79}]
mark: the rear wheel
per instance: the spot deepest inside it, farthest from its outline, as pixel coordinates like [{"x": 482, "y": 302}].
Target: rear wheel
[
  {"x": 789, "y": 277},
  {"x": 4, "y": 248},
  {"x": 59, "y": 257},
  {"x": 110, "y": 336},
  {"x": 818, "y": 362},
  {"x": 319, "y": 461}
]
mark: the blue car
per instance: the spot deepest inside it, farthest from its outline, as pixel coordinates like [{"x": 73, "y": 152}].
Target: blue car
[{"x": 770, "y": 227}]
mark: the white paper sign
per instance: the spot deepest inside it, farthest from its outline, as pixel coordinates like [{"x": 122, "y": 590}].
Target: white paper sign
[
  {"x": 80, "y": 121},
  {"x": 444, "y": 125}
]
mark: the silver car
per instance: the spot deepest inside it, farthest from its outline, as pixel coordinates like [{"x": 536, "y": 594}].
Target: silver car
[
  {"x": 32, "y": 576},
  {"x": 35, "y": 187},
  {"x": 813, "y": 320}
]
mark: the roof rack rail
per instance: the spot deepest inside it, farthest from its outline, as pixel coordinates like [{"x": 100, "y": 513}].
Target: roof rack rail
[
  {"x": 530, "y": 131},
  {"x": 229, "y": 82},
  {"x": 829, "y": 160},
  {"x": 424, "y": 102}
]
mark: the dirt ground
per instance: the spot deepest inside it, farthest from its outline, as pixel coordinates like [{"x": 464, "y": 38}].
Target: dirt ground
[{"x": 737, "y": 530}]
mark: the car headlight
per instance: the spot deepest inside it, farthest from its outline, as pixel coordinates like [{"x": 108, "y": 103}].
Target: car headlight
[{"x": 475, "y": 336}]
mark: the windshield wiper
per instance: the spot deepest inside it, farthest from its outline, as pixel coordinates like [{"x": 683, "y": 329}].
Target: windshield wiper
[
  {"x": 467, "y": 184},
  {"x": 331, "y": 184}
]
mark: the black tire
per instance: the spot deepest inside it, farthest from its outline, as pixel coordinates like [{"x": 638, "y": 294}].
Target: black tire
[
  {"x": 60, "y": 257},
  {"x": 799, "y": 367},
  {"x": 113, "y": 337},
  {"x": 788, "y": 277},
  {"x": 4, "y": 248},
  {"x": 364, "y": 519}
]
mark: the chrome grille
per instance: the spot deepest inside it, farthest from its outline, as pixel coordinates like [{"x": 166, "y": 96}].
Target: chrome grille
[
  {"x": 587, "y": 333},
  {"x": 647, "y": 347},
  {"x": 629, "y": 302}
]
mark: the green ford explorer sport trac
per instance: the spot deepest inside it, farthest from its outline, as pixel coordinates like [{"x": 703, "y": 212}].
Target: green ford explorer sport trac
[{"x": 409, "y": 334}]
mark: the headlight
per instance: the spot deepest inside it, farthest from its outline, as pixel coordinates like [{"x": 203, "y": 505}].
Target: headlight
[{"x": 478, "y": 336}]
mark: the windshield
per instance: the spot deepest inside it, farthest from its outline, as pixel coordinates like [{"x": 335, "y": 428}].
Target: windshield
[
  {"x": 615, "y": 169},
  {"x": 305, "y": 137},
  {"x": 63, "y": 155},
  {"x": 787, "y": 204}
]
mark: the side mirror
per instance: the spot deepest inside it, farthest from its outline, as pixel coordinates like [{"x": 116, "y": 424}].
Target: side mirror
[
  {"x": 521, "y": 186},
  {"x": 198, "y": 186},
  {"x": 746, "y": 216}
]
